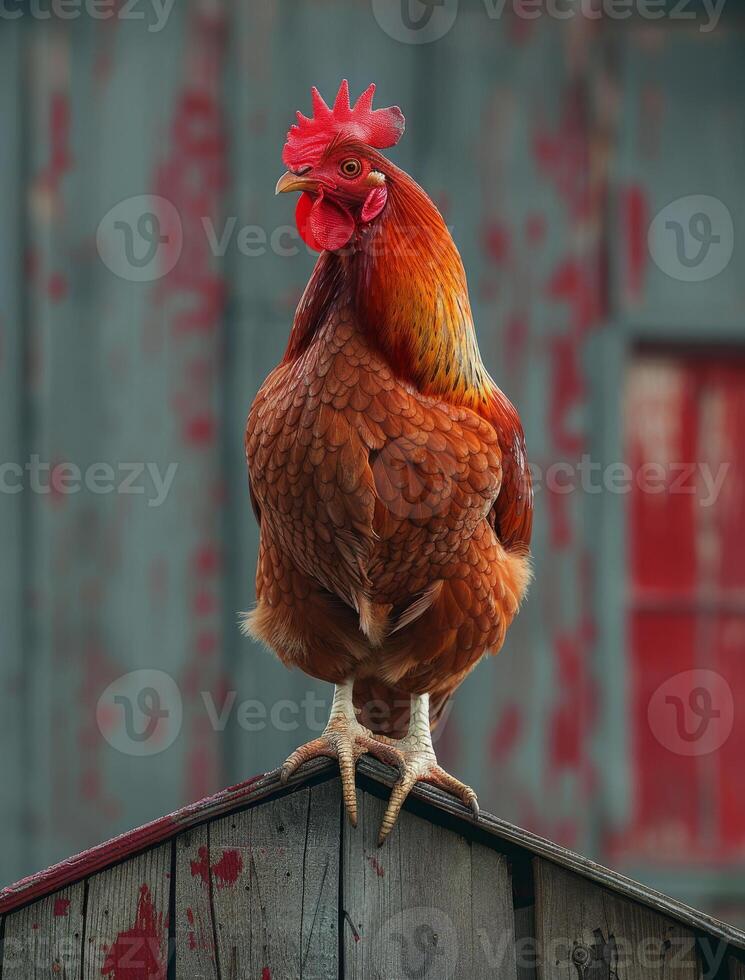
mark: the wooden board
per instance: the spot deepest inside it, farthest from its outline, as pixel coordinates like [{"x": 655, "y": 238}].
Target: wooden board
[
  {"x": 45, "y": 939},
  {"x": 585, "y": 930},
  {"x": 194, "y": 927},
  {"x": 126, "y": 921},
  {"x": 735, "y": 968},
  {"x": 428, "y": 903},
  {"x": 274, "y": 873}
]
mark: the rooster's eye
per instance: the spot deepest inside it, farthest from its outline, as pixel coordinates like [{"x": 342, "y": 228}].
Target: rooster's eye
[{"x": 351, "y": 167}]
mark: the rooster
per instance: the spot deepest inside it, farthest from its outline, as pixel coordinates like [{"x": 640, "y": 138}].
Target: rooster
[{"x": 387, "y": 470}]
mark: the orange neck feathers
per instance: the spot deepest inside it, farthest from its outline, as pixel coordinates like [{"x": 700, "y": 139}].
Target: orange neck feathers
[
  {"x": 406, "y": 281},
  {"x": 410, "y": 292}
]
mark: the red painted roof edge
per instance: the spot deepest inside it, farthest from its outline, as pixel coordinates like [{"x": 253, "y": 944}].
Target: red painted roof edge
[{"x": 156, "y": 832}]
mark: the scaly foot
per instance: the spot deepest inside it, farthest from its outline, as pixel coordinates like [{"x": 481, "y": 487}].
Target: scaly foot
[
  {"x": 346, "y": 740},
  {"x": 417, "y": 762}
]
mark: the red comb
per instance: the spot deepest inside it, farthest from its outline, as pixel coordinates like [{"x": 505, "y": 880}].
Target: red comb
[{"x": 307, "y": 140}]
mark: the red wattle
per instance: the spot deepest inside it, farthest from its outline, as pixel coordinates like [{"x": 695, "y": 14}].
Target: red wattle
[
  {"x": 331, "y": 225},
  {"x": 302, "y": 220},
  {"x": 323, "y": 225}
]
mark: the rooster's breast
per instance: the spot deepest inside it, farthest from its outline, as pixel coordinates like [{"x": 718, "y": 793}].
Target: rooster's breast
[{"x": 370, "y": 487}]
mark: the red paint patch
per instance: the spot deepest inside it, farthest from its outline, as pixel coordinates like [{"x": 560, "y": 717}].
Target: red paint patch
[
  {"x": 207, "y": 560},
  {"x": 61, "y": 906},
  {"x": 207, "y": 644},
  {"x": 567, "y": 395},
  {"x": 375, "y": 865},
  {"x": 576, "y": 282},
  {"x": 60, "y": 160},
  {"x": 562, "y": 153},
  {"x": 202, "y": 866},
  {"x": 506, "y": 733},
  {"x": 137, "y": 953},
  {"x": 200, "y": 431},
  {"x": 635, "y": 210},
  {"x": 228, "y": 868},
  {"x": 59, "y": 474},
  {"x": 496, "y": 239},
  {"x": 57, "y": 287},
  {"x": 204, "y": 603},
  {"x": 573, "y": 713}
]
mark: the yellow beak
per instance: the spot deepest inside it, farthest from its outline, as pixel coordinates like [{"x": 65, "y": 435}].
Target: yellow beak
[{"x": 294, "y": 182}]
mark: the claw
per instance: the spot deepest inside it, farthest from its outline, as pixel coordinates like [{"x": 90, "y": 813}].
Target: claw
[
  {"x": 400, "y": 791},
  {"x": 417, "y": 762},
  {"x": 420, "y": 767},
  {"x": 346, "y": 741}
]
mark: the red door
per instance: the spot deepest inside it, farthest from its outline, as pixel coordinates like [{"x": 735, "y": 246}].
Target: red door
[{"x": 685, "y": 443}]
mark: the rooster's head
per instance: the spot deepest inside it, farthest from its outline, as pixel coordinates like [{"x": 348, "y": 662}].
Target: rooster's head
[{"x": 332, "y": 159}]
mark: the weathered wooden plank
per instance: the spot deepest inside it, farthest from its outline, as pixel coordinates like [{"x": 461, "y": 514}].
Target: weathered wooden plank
[
  {"x": 430, "y": 903},
  {"x": 735, "y": 968},
  {"x": 586, "y": 930},
  {"x": 126, "y": 922},
  {"x": 194, "y": 928},
  {"x": 274, "y": 871},
  {"x": 492, "y": 915},
  {"x": 45, "y": 939}
]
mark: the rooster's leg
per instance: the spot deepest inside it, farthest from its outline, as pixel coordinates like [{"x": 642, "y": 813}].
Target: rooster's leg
[
  {"x": 418, "y": 762},
  {"x": 343, "y": 739}
]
